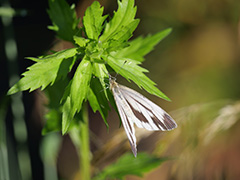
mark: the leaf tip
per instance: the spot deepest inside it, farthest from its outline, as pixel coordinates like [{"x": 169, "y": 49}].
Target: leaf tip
[
  {"x": 166, "y": 98},
  {"x": 13, "y": 90},
  {"x": 168, "y": 31},
  {"x": 64, "y": 129}
]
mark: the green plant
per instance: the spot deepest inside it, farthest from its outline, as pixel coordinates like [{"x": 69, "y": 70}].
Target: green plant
[{"x": 100, "y": 45}]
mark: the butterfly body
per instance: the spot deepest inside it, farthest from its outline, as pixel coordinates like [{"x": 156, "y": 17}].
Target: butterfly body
[{"x": 134, "y": 108}]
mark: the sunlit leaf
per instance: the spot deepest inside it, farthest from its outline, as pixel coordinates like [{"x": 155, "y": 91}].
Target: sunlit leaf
[
  {"x": 121, "y": 26},
  {"x": 93, "y": 20},
  {"x": 45, "y": 71},
  {"x": 140, "y": 46},
  {"x": 100, "y": 71},
  {"x": 80, "y": 41},
  {"x": 131, "y": 70},
  {"x": 78, "y": 92}
]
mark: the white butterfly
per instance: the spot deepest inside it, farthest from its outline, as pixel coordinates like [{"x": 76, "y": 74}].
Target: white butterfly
[{"x": 134, "y": 108}]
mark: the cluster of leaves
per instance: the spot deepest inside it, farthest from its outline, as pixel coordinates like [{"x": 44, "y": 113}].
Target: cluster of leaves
[{"x": 99, "y": 45}]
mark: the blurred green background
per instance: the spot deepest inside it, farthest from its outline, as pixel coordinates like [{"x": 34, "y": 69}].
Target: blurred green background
[{"x": 197, "y": 66}]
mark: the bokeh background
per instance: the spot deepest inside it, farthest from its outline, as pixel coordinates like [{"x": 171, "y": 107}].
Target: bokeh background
[{"x": 197, "y": 66}]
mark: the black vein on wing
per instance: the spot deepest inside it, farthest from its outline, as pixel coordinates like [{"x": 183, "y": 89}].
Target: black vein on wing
[
  {"x": 131, "y": 133},
  {"x": 129, "y": 126},
  {"x": 126, "y": 121},
  {"x": 142, "y": 118},
  {"x": 168, "y": 121}
]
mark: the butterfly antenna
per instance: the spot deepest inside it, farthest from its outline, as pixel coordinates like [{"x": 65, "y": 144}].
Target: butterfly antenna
[
  {"x": 120, "y": 69},
  {"x": 114, "y": 78}
]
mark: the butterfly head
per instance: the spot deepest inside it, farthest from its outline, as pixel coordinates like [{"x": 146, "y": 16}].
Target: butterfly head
[{"x": 112, "y": 81}]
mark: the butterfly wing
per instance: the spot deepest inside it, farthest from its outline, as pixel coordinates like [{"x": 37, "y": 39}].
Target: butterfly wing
[
  {"x": 127, "y": 116},
  {"x": 135, "y": 108},
  {"x": 148, "y": 115}
]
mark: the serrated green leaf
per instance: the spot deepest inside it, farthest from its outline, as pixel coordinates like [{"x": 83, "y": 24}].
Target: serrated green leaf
[
  {"x": 67, "y": 115},
  {"x": 129, "y": 165},
  {"x": 122, "y": 22},
  {"x": 93, "y": 20},
  {"x": 80, "y": 41},
  {"x": 80, "y": 84},
  {"x": 100, "y": 71},
  {"x": 64, "y": 19},
  {"x": 66, "y": 92},
  {"x": 78, "y": 92},
  {"x": 93, "y": 101},
  {"x": 131, "y": 70},
  {"x": 126, "y": 31},
  {"x": 139, "y": 47},
  {"x": 45, "y": 71}
]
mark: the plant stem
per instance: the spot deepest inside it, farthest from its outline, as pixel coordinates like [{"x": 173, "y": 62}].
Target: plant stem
[{"x": 84, "y": 149}]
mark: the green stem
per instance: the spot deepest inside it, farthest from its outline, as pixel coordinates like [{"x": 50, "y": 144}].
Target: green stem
[{"x": 84, "y": 149}]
